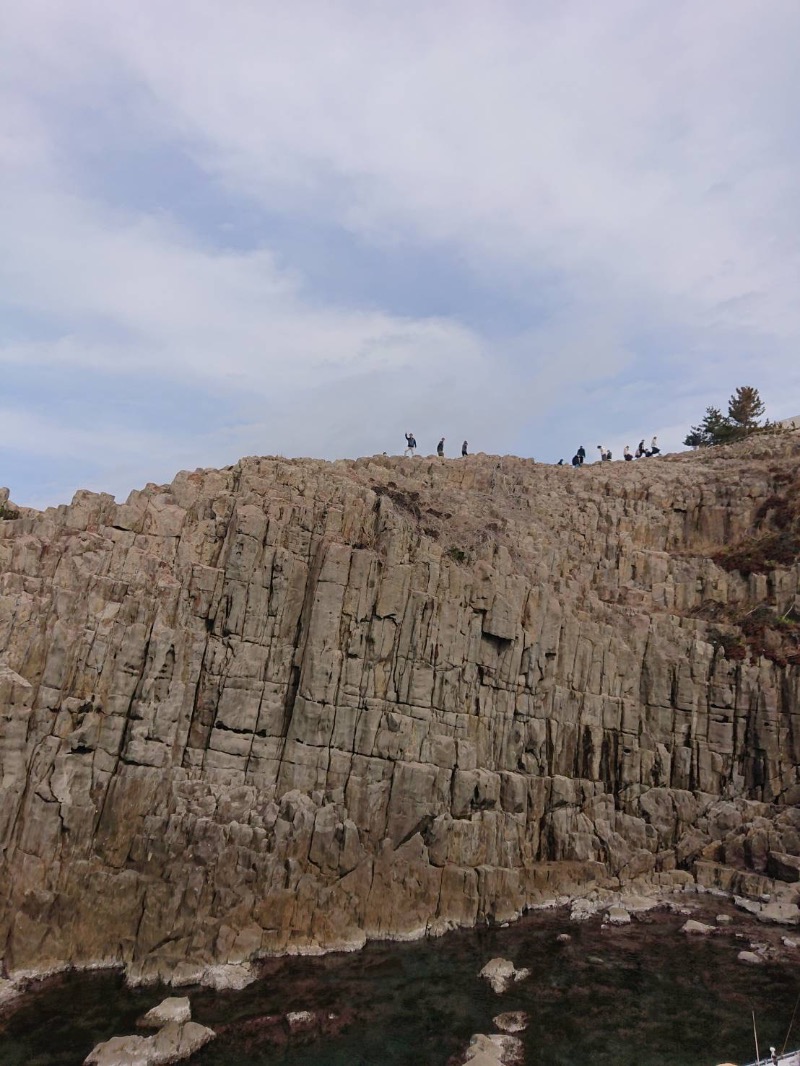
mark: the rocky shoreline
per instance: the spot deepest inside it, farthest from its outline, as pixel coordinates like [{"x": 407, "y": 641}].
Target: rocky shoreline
[
  {"x": 777, "y": 920},
  {"x": 644, "y": 931}
]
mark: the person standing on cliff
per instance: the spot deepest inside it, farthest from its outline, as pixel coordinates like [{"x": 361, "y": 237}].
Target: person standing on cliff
[
  {"x": 411, "y": 443},
  {"x": 464, "y": 449},
  {"x": 581, "y": 453},
  {"x": 440, "y": 447},
  {"x": 654, "y": 448},
  {"x": 640, "y": 452}
]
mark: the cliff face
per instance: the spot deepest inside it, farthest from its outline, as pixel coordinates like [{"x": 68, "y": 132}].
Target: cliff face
[{"x": 293, "y": 704}]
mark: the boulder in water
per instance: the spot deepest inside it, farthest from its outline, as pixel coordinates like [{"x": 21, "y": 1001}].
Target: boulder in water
[
  {"x": 171, "y": 1043},
  {"x": 500, "y": 973},
  {"x": 494, "y": 1050},
  {"x": 513, "y": 1021},
  {"x": 174, "y": 1009},
  {"x": 694, "y": 928}
]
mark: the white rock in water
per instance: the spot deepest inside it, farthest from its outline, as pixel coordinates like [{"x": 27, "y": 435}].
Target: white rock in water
[
  {"x": 121, "y": 1051},
  {"x": 234, "y": 976},
  {"x": 171, "y": 1043},
  {"x": 175, "y": 1042},
  {"x": 694, "y": 928},
  {"x": 500, "y": 973},
  {"x": 494, "y": 1050},
  {"x": 300, "y": 1019},
  {"x": 583, "y": 909},
  {"x": 750, "y": 957},
  {"x": 617, "y": 916},
  {"x": 174, "y": 1009}
]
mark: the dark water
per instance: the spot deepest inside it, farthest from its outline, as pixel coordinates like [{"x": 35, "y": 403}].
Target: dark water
[{"x": 643, "y": 995}]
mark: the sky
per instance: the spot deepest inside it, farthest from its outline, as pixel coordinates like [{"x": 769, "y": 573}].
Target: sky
[{"x": 260, "y": 228}]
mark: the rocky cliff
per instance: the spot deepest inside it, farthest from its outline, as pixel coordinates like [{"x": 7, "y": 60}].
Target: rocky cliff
[{"x": 289, "y": 705}]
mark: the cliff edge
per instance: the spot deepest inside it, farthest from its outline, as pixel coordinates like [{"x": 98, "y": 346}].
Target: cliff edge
[{"x": 290, "y": 705}]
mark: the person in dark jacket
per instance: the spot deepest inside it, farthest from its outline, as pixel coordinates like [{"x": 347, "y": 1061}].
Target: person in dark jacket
[
  {"x": 581, "y": 453},
  {"x": 464, "y": 448},
  {"x": 576, "y": 460},
  {"x": 440, "y": 447},
  {"x": 411, "y": 444}
]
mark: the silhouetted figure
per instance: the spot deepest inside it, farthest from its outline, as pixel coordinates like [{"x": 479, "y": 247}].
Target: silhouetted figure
[
  {"x": 411, "y": 443},
  {"x": 581, "y": 453},
  {"x": 640, "y": 452},
  {"x": 560, "y": 462},
  {"x": 440, "y": 447},
  {"x": 464, "y": 448},
  {"x": 627, "y": 454},
  {"x": 654, "y": 448},
  {"x": 576, "y": 460}
]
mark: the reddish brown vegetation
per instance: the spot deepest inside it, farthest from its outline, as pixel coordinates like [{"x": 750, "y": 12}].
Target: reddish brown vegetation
[{"x": 775, "y": 541}]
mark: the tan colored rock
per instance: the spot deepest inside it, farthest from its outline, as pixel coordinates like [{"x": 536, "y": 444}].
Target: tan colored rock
[
  {"x": 617, "y": 915},
  {"x": 173, "y": 1009},
  {"x": 172, "y": 1043},
  {"x": 513, "y": 1021},
  {"x": 753, "y": 958},
  {"x": 501, "y": 973},
  {"x": 494, "y": 1050},
  {"x": 784, "y": 867},
  {"x": 291, "y": 705},
  {"x": 695, "y": 928}
]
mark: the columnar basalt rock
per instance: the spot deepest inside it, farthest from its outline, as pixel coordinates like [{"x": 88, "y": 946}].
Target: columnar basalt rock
[{"x": 291, "y": 705}]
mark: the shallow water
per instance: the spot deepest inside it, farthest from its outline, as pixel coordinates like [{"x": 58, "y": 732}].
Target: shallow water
[{"x": 643, "y": 995}]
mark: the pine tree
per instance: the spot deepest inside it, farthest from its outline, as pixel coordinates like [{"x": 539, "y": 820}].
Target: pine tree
[
  {"x": 745, "y": 409},
  {"x": 714, "y": 429}
]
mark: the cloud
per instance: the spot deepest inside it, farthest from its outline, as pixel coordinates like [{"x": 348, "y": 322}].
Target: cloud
[{"x": 589, "y": 211}]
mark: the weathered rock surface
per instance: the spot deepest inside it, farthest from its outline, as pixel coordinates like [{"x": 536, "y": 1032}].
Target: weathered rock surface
[
  {"x": 501, "y": 973},
  {"x": 695, "y": 928},
  {"x": 174, "y": 1009},
  {"x": 172, "y": 1043},
  {"x": 494, "y": 1050},
  {"x": 291, "y": 705},
  {"x": 512, "y": 1021}
]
